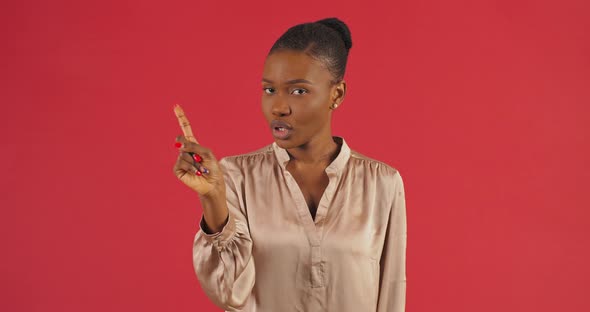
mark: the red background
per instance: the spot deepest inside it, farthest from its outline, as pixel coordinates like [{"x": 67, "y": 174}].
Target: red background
[{"x": 481, "y": 105}]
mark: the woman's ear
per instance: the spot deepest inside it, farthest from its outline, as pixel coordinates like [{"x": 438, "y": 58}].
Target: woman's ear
[{"x": 338, "y": 92}]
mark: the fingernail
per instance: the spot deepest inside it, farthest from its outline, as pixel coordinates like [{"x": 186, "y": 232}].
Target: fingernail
[
  {"x": 197, "y": 158},
  {"x": 178, "y": 144},
  {"x": 197, "y": 172}
]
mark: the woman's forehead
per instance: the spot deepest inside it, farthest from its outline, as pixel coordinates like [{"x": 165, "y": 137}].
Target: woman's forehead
[{"x": 288, "y": 65}]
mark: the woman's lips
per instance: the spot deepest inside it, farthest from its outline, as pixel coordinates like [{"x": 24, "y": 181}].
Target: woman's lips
[
  {"x": 281, "y": 130},
  {"x": 281, "y": 133}
]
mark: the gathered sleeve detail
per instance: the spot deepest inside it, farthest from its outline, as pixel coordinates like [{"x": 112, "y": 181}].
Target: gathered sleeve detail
[
  {"x": 392, "y": 282},
  {"x": 223, "y": 261}
]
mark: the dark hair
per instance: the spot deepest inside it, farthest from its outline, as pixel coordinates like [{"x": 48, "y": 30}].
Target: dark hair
[{"x": 327, "y": 40}]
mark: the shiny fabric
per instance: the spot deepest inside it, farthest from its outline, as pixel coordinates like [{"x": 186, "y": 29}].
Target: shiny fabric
[{"x": 271, "y": 256}]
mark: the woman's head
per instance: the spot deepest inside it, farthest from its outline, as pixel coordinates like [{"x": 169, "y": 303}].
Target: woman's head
[
  {"x": 303, "y": 80},
  {"x": 326, "y": 40}
]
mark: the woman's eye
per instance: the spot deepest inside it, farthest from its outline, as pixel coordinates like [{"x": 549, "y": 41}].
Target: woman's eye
[
  {"x": 268, "y": 90},
  {"x": 299, "y": 91}
]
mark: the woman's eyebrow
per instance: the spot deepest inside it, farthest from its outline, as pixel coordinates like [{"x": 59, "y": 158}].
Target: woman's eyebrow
[{"x": 290, "y": 81}]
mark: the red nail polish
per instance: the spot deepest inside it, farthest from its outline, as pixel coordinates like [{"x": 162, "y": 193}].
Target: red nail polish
[
  {"x": 197, "y": 158},
  {"x": 178, "y": 144},
  {"x": 198, "y": 173}
]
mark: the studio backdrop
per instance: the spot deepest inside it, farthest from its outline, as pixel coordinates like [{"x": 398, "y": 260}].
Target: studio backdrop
[{"x": 481, "y": 105}]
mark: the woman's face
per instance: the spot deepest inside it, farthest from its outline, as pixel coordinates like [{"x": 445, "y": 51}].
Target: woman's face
[{"x": 297, "y": 92}]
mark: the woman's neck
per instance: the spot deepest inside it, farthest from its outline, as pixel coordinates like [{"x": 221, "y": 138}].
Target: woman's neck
[{"x": 318, "y": 151}]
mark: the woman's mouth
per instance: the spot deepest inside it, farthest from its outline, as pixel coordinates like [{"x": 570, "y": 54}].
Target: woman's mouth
[
  {"x": 281, "y": 130},
  {"x": 281, "y": 133}
]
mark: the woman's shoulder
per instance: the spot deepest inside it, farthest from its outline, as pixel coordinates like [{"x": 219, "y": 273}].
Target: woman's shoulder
[
  {"x": 249, "y": 157},
  {"x": 372, "y": 164}
]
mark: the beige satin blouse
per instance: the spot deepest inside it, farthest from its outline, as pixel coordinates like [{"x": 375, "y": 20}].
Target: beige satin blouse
[{"x": 271, "y": 256}]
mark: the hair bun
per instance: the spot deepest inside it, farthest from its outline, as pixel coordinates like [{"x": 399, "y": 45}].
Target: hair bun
[{"x": 340, "y": 27}]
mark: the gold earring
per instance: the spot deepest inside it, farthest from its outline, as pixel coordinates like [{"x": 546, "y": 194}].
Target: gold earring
[{"x": 333, "y": 106}]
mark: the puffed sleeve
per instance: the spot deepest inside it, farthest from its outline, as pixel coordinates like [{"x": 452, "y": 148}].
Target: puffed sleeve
[
  {"x": 392, "y": 282},
  {"x": 223, "y": 261}
]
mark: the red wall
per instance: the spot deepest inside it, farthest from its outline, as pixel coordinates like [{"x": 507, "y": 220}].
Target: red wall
[{"x": 481, "y": 105}]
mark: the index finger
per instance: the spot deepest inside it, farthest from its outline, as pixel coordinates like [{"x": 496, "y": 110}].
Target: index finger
[{"x": 184, "y": 123}]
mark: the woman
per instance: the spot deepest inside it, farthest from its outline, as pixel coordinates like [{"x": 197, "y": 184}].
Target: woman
[{"x": 305, "y": 223}]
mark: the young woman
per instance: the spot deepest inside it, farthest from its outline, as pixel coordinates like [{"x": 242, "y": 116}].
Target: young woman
[{"x": 305, "y": 223}]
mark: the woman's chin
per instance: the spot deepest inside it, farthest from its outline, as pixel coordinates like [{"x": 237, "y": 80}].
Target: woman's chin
[{"x": 285, "y": 144}]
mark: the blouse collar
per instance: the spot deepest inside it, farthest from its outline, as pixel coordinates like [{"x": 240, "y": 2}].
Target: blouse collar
[{"x": 335, "y": 167}]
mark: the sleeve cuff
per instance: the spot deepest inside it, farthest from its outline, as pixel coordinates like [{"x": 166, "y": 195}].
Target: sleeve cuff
[{"x": 222, "y": 237}]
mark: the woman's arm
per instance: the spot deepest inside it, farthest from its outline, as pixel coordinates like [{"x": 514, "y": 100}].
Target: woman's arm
[
  {"x": 392, "y": 282},
  {"x": 223, "y": 260}
]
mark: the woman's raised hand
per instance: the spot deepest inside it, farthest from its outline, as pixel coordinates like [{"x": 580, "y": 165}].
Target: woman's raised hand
[{"x": 196, "y": 165}]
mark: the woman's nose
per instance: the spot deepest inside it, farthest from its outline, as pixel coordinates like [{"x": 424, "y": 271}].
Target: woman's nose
[{"x": 280, "y": 108}]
